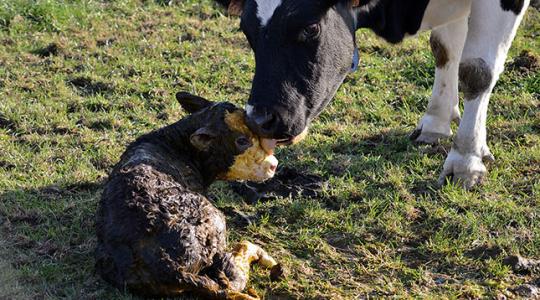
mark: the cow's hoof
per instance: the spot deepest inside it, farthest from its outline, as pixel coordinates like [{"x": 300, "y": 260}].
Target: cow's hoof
[
  {"x": 430, "y": 130},
  {"x": 424, "y": 137},
  {"x": 467, "y": 170}
]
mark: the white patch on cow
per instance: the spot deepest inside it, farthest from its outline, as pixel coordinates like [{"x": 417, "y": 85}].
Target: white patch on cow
[
  {"x": 441, "y": 12},
  {"x": 249, "y": 109},
  {"x": 266, "y": 9}
]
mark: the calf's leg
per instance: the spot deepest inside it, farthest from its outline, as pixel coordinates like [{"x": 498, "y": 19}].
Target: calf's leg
[
  {"x": 244, "y": 254},
  {"x": 231, "y": 270}
]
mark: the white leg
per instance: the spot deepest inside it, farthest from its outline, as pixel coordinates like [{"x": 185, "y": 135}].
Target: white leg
[
  {"x": 447, "y": 43},
  {"x": 490, "y": 34}
]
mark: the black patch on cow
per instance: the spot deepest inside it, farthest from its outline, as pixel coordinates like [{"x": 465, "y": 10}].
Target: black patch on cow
[
  {"x": 439, "y": 50},
  {"x": 516, "y": 6},
  {"x": 392, "y": 19},
  {"x": 474, "y": 77}
]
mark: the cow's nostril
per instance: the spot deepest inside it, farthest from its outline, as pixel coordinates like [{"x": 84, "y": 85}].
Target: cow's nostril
[
  {"x": 269, "y": 123},
  {"x": 265, "y": 122},
  {"x": 262, "y": 122}
]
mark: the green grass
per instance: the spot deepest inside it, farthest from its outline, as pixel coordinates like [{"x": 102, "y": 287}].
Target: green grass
[{"x": 80, "y": 79}]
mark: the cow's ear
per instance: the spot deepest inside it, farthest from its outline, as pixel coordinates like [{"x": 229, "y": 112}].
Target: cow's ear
[
  {"x": 192, "y": 103},
  {"x": 236, "y": 7}
]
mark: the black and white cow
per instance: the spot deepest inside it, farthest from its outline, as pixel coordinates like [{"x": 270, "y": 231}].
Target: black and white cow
[{"x": 304, "y": 48}]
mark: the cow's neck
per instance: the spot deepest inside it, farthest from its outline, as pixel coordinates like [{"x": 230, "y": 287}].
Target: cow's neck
[{"x": 393, "y": 20}]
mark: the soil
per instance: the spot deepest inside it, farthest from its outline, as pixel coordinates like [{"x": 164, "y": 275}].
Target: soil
[
  {"x": 525, "y": 62},
  {"x": 52, "y": 49},
  {"x": 522, "y": 265}
]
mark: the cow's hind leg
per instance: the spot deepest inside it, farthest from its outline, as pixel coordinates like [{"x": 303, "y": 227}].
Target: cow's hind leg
[
  {"x": 492, "y": 27},
  {"x": 446, "y": 44}
]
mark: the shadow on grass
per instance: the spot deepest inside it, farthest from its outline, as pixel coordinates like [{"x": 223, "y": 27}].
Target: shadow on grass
[
  {"x": 371, "y": 157},
  {"x": 371, "y": 154},
  {"x": 49, "y": 239}
]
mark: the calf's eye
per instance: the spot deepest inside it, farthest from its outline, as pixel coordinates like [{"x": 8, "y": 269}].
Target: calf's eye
[
  {"x": 310, "y": 32},
  {"x": 243, "y": 143}
]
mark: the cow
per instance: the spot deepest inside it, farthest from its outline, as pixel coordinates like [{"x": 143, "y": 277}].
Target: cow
[{"x": 305, "y": 48}]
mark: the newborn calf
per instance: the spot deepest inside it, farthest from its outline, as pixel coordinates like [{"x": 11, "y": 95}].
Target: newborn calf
[{"x": 157, "y": 234}]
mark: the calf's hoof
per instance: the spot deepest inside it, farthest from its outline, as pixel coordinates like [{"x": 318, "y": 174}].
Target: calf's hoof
[
  {"x": 242, "y": 296},
  {"x": 277, "y": 273}
]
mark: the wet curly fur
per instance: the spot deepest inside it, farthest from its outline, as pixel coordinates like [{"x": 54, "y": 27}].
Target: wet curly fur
[{"x": 158, "y": 235}]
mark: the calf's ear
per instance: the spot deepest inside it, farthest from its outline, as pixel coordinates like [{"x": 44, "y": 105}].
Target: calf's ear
[
  {"x": 202, "y": 138},
  {"x": 192, "y": 103}
]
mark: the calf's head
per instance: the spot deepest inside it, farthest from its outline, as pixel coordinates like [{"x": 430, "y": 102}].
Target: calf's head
[
  {"x": 303, "y": 51},
  {"x": 224, "y": 144}
]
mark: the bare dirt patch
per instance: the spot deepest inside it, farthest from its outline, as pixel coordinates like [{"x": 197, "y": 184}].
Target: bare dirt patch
[
  {"x": 525, "y": 62},
  {"x": 522, "y": 265},
  {"x": 52, "y": 49}
]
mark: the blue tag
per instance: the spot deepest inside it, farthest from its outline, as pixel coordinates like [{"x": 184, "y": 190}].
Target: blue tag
[{"x": 355, "y": 60}]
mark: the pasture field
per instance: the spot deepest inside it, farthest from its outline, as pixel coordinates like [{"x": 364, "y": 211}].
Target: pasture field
[{"x": 80, "y": 79}]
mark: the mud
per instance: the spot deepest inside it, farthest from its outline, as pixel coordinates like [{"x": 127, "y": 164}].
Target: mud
[
  {"x": 522, "y": 265},
  {"x": 527, "y": 291},
  {"x": 525, "y": 62},
  {"x": 52, "y": 49},
  {"x": 484, "y": 252},
  {"x": 7, "y": 124},
  {"x": 288, "y": 182},
  {"x": 7, "y": 165},
  {"x": 105, "y": 42}
]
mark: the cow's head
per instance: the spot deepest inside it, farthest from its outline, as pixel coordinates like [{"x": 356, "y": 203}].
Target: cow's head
[{"x": 303, "y": 51}]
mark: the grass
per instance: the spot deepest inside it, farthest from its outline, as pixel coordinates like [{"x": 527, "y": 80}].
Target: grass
[{"x": 80, "y": 79}]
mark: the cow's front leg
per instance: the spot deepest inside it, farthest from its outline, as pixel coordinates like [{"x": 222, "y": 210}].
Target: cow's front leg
[
  {"x": 447, "y": 45},
  {"x": 491, "y": 31}
]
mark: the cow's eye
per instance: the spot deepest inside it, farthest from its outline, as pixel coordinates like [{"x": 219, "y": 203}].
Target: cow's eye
[
  {"x": 310, "y": 32},
  {"x": 243, "y": 143}
]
